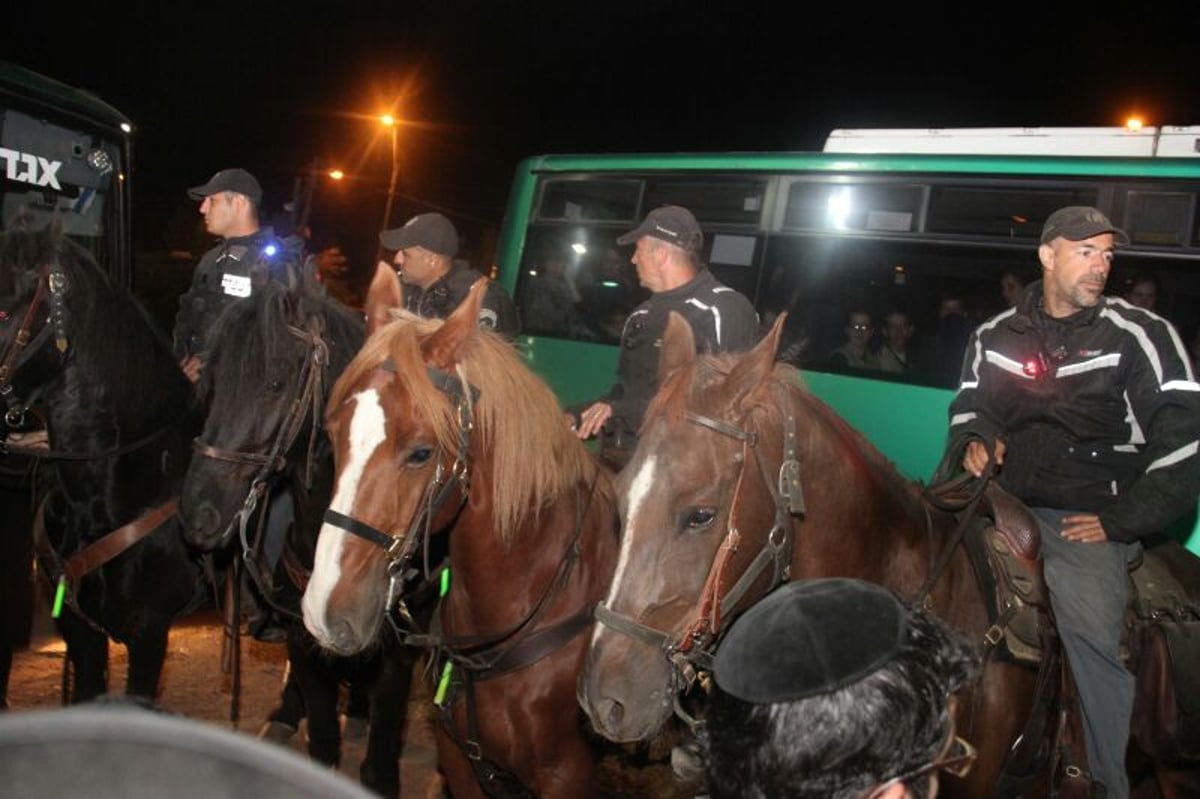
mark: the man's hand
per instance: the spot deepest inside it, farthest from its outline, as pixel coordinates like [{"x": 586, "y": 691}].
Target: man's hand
[
  {"x": 32, "y": 439},
  {"x": 1085, "y": 528},
  {"x": 591, "y": 420},
  {"x": 975, "y": 459},
  {"x": 191, "y": 367}
]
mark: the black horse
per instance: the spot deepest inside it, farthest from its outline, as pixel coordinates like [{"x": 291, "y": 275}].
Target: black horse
[
  {"x": 273, "y": 358},
  {"x": 78, "y": 352}
]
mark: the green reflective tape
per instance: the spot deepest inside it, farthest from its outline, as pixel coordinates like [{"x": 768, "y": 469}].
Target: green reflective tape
[
  {"x": 445, "y": 588},
  {"x": 443, "y": 684},
  {"x": 59, "y": 594}
]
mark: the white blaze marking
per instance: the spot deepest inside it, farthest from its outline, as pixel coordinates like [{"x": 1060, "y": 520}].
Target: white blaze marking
[
  {"x": 368, "y": 429},
  {"x": 639, "y": 489}
]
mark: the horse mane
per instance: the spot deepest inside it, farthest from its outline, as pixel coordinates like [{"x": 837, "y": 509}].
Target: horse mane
[
  {"x": 697, "y": 386},
  {"x": 535, "y": 457},
  {"x": 109, "y": 333},
  {"x": 252, "y": 332}
]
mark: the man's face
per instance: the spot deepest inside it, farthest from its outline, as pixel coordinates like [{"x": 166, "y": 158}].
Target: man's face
[
  {"x": 220, "y": 212},
  {"x": 897, "y": 330},
  {"x": 647, "y": 257},
  {"x": 1075, "y": 273},
  {"x": 858, "y": 329},
  {"x": 417, "y": 266}
]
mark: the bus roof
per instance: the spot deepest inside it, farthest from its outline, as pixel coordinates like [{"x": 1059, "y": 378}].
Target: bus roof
[
  {"x": 1159, "y": 142},
  {"x": 25, "y": 83}
]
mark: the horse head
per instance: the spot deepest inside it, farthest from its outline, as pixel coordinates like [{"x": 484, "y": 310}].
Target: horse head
[
  {"x": 264, "y": 387},
  {"x": 400, "y": 420}
]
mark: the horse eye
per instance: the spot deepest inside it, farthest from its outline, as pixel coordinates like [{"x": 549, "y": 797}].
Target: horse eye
[
  {"x": 700, "y": 518},
  {"x": 419, "y": 456},
  {"x": 275, "y": 385}
]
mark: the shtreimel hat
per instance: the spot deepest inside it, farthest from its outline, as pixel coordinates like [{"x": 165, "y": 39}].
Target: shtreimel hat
[
  {"x": 432, "y": 231},
  {"x": 1079, "y": 222},
  {"x": 669, "y": 223},
  {"x": 238, "y": 180},
  {"x": 810, "y": 637}
]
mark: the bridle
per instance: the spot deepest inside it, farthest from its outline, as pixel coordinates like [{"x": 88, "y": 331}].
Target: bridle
[
  {"x": 400, "y": 549},
  {"x": 306, "y": 405},
  {"x": 693, "y": 648},
  {"x": 53, "y": 281}
]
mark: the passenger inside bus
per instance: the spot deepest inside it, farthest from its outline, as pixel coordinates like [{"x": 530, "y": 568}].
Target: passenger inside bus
[
  {"x": 855, "y": 352},
  {"x": 1142, "y": 291}
]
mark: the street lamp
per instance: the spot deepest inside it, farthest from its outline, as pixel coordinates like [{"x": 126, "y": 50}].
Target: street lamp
[{"x": 390, "y": 123}]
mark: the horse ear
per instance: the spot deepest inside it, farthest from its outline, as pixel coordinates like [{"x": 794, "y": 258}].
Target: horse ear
[
  {"x": 383, "y": 294},
  {"x": 756, "y": 366},
  {"x": 441, "y": 349},
  {"x": 678, "y": 346}
]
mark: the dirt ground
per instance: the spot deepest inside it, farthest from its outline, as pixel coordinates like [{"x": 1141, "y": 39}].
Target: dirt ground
[{"x": 193, "y": 685}]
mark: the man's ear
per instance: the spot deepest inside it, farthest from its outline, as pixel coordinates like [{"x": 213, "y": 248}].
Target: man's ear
[{"x": 1046, "y": 256}]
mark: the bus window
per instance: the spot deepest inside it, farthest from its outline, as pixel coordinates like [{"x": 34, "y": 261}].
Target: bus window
[
  {"x": 712, "y": 202},
  {"x": 589, "y": 200},
  {"x": 1159, "y": 218},
  {"x": 1010, "y": 211},
  {"x": 884, "y": 207}
]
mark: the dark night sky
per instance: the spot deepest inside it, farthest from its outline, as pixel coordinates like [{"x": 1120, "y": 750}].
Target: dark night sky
[{"x": 269, "y": 85}]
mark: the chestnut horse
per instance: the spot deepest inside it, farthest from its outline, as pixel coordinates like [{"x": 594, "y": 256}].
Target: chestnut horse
[
  {"x": 439, "y": 428},
  {"x": 742, "y": 479}
]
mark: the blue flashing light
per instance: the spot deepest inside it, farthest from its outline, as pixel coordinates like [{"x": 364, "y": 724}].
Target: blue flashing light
[{"x": 270, "y": 250}]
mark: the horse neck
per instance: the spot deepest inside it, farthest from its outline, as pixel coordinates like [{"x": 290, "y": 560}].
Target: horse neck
[
  {"x": 862, "y": 519},
  {"x": 495, "y": 584}
]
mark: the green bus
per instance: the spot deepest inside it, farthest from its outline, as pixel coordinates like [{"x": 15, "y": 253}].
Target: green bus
[
  {"x": 65, "y": 151},
  {"x": 880, "y": 231}
]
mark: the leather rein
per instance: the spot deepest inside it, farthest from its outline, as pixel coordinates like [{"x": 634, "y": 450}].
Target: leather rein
[{"x": 692, "y": 650}]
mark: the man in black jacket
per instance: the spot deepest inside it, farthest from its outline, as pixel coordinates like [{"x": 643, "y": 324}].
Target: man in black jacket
[
  {"x": 434, "y": 285},
  {"x": 1089, "y": 408},
  {"x": 668, "y": 242}
]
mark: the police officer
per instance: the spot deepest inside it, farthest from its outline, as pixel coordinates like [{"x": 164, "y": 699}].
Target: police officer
[
  {"x": 229, "y": 202},
  {"x": 668, "y": 242},
  {"x": 434, "y": 283}
]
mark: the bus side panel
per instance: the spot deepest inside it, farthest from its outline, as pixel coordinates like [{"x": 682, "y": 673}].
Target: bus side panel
[{"x": 576, "y": 371}]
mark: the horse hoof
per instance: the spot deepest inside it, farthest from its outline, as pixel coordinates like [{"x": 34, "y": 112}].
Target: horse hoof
[
  {"x": 277, "y": 732},
  {"x": 354, "y": 729}
]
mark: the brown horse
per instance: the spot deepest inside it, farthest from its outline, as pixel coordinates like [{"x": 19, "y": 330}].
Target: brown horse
[
  {"x": 743, "y": 479},
  {"x": 440, "y": 428}
]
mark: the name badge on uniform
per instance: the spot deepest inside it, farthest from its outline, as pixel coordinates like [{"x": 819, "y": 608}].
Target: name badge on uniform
[{"x": 235, "y": 285}]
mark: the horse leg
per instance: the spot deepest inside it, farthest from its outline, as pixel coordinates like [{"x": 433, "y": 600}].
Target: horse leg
[
  {"x": 147, "y": 649},
  {"x": 319, "y": 689},
  {"x": 571, "y": 772},
  {"x": 6, "y": 656},
  {"x": 456, "y": 768},
  {"x": 284, "y": 720},
  {"x": 87, "y": 651},
  {"x": 380, "y": 768}
]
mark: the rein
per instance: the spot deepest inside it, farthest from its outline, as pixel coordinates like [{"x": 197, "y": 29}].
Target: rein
[
  {"x": 692, "y": 648},
  {"x": 52, "y": 280}
]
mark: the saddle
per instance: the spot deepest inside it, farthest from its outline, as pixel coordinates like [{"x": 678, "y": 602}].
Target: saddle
[{"x": 1162, "y": 633}]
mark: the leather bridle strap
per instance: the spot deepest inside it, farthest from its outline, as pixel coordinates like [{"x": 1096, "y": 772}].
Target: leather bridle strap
[
  {"x": 101, "y": 551},
  {"x": 360, "y": 529},
  {"x": 20, "y": 341}
]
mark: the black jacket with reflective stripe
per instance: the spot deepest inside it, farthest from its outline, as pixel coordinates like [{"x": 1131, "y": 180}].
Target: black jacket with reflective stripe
[{"x": 1100, "y": 411}]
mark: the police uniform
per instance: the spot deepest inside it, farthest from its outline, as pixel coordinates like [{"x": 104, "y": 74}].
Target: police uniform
[
  {"x": 226, "y": 273},
  {"x": 1100, "y": 412},
  {"x": 722, "y": 320},
  {"x": 445, "y": 294}
]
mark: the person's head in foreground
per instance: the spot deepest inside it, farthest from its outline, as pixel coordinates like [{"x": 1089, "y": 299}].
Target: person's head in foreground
[{"x": 832, "y": 688}]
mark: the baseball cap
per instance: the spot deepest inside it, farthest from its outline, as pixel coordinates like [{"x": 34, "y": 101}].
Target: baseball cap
[
  {"x": 1079, "y": 222},
  {"x": 432, "y": 231},
  {"x": 235, "y": 179},
  {"x": 670, "y": 223},
  {"x": 810, "y": 637}
]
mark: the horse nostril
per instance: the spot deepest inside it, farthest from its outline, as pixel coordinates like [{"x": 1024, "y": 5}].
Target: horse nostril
[
  {"x": 206, "y": 518},
  {"x": 616, "y": 714}
]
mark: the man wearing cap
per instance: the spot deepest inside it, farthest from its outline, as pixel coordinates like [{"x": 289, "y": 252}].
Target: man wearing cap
[
  {"x": 833, "y": 689},
  {"x": 667, "y": 256},
  {"x": 229, "y": 202},
  {"x": 1088, "y": 408},
  {"x": 434, "y": 284}
]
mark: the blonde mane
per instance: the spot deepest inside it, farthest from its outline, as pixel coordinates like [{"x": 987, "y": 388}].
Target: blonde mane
[{"x": 518, "y": 421}]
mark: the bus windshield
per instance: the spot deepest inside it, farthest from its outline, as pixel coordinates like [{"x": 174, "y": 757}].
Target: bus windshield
[{"x": 63, "y": 153}]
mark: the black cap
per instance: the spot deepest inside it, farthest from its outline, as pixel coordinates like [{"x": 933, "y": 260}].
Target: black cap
[
  {"x": 238, "y": 180},
  {"x": 1079, "y": 222},
  {"x": 432, "y": 231},
  {"x": 669, "y": 223},
  {"x": 810, "y": 637}
]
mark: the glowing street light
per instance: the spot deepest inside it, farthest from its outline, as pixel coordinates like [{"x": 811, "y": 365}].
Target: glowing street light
[
  {"x": 336, "y": 174},
  {"x": 389, "y": 122}
]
